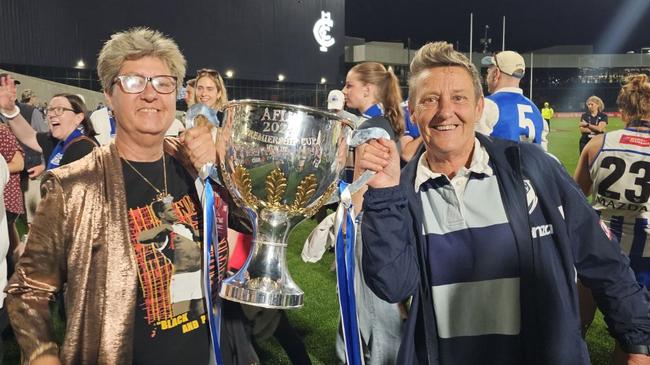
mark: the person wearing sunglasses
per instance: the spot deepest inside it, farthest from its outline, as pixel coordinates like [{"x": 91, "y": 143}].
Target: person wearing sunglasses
[{"x": 124, "y": 304}]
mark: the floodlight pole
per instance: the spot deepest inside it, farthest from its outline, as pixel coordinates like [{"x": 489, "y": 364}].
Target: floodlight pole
[
  {"x": 471, "y": 34},
  {"x": 530, "y": 82},
  {"x": 503, "y": 42}
]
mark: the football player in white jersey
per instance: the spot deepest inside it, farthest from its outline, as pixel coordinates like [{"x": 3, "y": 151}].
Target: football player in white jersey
[{"x": 615, "y": 169}]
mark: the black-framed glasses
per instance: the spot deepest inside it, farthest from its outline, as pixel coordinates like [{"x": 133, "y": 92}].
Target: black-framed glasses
[
  {"x": 58, "y": 110},
  {"x": 135, "y": 84}
]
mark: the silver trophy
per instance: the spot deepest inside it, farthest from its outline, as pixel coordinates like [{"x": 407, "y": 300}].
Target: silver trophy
[{"x": 281, "y": 163}]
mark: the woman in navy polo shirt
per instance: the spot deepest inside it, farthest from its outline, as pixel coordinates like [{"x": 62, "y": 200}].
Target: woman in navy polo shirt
[{"x": 592, "y": 122}]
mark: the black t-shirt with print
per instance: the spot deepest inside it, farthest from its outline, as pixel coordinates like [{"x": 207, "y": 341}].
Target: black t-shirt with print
[{"x": 170, "y": 326}]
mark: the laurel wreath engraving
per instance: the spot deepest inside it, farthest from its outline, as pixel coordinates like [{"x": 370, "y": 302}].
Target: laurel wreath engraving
[
  {"x": 275, "y": 188},
  {"x": 305, "y": 190},
  {"x": 276, "y": 185},
  {"x": 245, "y": 185}
]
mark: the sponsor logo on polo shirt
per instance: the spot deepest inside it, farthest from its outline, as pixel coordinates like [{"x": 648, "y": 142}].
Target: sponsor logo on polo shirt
[{"x": 542, "y": 231}]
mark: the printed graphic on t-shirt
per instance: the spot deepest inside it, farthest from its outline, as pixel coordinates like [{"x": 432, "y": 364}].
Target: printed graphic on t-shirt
[{"x": 168, "y": 252}]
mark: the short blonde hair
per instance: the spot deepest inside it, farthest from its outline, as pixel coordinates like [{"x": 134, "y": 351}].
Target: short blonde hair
[
  {"x": 441, "y": 54},
  {"x": 598, "y": 101},
  {"x": 134, "y": 44}
]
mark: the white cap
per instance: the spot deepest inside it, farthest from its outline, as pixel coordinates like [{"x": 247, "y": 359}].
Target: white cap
[
  {"x": 335, "y": 100},
  {"x": 508, "y": 62}
]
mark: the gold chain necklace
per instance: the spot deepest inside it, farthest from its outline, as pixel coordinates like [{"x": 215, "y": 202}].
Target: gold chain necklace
[{"x": 161, "y": 195}]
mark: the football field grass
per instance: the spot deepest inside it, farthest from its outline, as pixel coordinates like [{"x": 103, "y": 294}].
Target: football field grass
[{"x": 317, "y": 321}]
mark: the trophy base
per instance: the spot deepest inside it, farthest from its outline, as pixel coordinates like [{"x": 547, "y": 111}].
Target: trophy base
[{"x": 235, "y": 292}]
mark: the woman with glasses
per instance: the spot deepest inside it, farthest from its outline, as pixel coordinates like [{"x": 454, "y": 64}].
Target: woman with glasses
[
  {"x": 125, "y": 304},
  {"x": 71, "y": 134},
  {"x": 210, "y": 89}
]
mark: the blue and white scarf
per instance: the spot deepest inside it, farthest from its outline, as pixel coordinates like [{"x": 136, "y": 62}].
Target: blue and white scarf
[{"x": 57, "y": 154}]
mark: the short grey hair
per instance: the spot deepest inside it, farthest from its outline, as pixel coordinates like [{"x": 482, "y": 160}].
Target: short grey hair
[
  {"x": 441, "y": 54},
  {"x": 134, "y": 44}
]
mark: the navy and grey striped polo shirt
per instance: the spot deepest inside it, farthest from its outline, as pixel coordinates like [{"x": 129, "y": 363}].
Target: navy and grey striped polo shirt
[{"x": 473, "y": 264}]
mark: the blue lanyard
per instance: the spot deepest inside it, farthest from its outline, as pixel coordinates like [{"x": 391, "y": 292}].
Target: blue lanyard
[
  {"x": 210, "y": 235},
  {"x": 345, "y": 277}
]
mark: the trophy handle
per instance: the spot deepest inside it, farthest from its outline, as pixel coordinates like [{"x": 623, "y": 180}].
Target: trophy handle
[{"x": 357, "y": 138}]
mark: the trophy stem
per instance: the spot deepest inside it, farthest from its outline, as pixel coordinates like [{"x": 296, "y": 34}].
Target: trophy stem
[{"x": 264, "y": 280}]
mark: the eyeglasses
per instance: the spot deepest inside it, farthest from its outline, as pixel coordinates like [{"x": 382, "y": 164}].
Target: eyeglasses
[
  {"x": 135, "y": 84},
  {"x": 58, "y": 110}
]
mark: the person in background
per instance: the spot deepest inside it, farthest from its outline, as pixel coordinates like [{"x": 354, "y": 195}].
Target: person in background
[
  {"x": 411, "y": 140},
  {"x": 547, "y": 113},
  {"x": 374, "y": 91},
  {"x": 29, "y": 97},
  {"x": 33, "y": 160},
  {"x": 210, "y": 89},
  {"x": 14, "y": 156},
  {"x": 104, "y": 125},
  {"x": 487, "y": 237},
  {"x": 592, "y": 122},
  {"x": 613, "y": 169},
  {"x": 508, "y": 114},
  {"x": 189, "y": 92},
  {"x": 71, "y": 135},
  {"x": 4, "y": 249}
]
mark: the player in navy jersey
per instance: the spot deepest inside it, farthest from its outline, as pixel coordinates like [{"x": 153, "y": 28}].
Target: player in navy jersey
[
  {"x": 508, "y": 114},
  {"x": 615, "y": 168}
]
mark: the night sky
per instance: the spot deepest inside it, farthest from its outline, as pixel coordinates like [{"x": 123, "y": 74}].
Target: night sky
[{"x": 611, "y": 26}]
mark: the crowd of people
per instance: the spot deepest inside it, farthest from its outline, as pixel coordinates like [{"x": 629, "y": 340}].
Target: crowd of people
[{"x": 475, "y": 246}]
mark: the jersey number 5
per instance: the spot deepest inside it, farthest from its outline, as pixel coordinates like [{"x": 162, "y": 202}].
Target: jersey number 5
[{"x": 525, "y": 123}]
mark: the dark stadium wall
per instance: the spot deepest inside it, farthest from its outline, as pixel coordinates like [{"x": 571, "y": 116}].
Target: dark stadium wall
[{"x": 257, "y": 39}]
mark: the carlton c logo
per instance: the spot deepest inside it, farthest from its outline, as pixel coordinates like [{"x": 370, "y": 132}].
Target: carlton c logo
[{"x": 322, "y": 27}]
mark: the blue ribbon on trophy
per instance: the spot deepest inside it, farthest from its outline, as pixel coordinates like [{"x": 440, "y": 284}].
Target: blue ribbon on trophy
[
  {"x": 345, "y": 249},
  {"x": 210, "y": 235},
  {"x": 210, "y": 231},
  {"x": 345, "y": 268}
]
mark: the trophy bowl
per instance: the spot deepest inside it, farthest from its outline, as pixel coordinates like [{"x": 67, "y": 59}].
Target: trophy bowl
[{"x": 280, "y": 163}]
